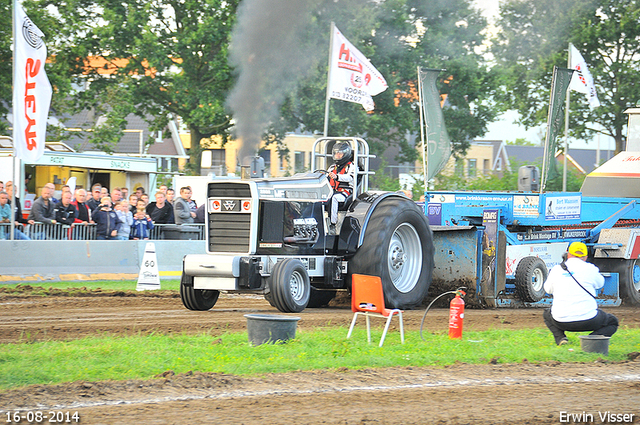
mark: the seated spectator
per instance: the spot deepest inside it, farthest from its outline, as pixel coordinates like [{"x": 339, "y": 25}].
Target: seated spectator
[
  {"x": 200, "y": 212},
  {"x": 181, "y": 210},
  {"x": 83, "y": 215},
  {"x": 94, "y": 201},
  {"x": 106, "y": 219},
  {"x": 160, "y": 211},
  {"x": 6, "y": 217},
  {"x": 142, "y": 224},
  {"x": 65, "y": 211},
  {"x": 122, "y": 209}
]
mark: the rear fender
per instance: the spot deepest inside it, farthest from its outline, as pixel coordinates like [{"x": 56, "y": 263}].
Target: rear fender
[{"x": 357, "y": 219}]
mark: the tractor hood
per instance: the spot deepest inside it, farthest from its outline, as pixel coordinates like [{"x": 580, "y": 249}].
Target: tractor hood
[{"x": 617, "y": 178}]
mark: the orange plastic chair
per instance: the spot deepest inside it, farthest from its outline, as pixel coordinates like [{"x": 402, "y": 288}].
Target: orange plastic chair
[{"x": 367, "y": 298}]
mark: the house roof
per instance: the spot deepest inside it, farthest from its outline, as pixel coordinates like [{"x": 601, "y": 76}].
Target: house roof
[
  {"x": 136, "y": 131},
  {"x": 584, "y": 158}
]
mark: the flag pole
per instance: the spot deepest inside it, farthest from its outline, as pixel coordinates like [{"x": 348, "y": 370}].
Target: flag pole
[
  {"x": 566, "y": 129},
  {"x": 15, "y": 161},
  {"x": 422, "y": 132},
  {"x": 328, "y": 97},
  {"x": 545, "y": 161}
]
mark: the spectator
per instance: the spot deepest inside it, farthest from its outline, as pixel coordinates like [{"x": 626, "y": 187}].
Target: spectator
[
  {"x": 133, "y": 201},
  {"x": 93, "y": 203},
  {"x": 122, "y": 209},
  {"x": 116, "y": 195},
  {"x": 1, "y": 185},
  {"x": 163, "y": 188},
  {"x": 5, "y": 217},
  {"x": 43, "y": 209},
  {"x": 53, "y": 192},
  {"x": 160, "y": 211},
  {"x": 107, "y": 221},
  {"x": 65, "y": 188},
  {"x": 125, "y": 192},
  {"x": 83, "y": 212},
  {"x": 191, "y": 202},
  {"x": 142, "y": 223},
  {"x": 104, "y": 192},
  {"x": 199, "y": 214},
  {"x": 170, "y": 195},
  {"x": 20, "y": 220},
  {"x": 139, "y": 191},
  {"x": 144, "y": 198},
  {"x": 181, "y": 210},
  {"x": 65, "y": 211}
]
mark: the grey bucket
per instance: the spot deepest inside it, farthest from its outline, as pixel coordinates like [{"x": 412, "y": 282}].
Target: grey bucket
[
  {"x": 595, "y": 344},
  {"x": 269, "y": 328}
]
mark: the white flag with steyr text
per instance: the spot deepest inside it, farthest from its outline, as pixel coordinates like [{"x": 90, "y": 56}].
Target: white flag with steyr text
[{"x": 31, "y": 90}]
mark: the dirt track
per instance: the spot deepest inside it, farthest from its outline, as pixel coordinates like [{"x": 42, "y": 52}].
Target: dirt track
[{"x": 460, "y": 394}]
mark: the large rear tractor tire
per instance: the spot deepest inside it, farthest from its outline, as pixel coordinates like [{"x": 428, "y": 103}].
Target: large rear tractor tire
[
  {"x": 290, "y": 287},
  {"x": 397, "y": 247},
  {"x": 196, "y": 299},
  {"x": 628, "y": 277},
  {"x": 630, "y": 282},
  {"x": 530, "y": 276}
]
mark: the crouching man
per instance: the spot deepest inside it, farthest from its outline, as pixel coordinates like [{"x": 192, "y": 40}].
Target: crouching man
[{"x": 574, "y": 284}]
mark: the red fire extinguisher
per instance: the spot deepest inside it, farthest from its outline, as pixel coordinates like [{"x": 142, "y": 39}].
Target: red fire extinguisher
[{"x": 456, "y": 315}]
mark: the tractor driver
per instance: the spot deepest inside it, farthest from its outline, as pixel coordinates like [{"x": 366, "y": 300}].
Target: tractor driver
[{"x": 340, "y": 176}]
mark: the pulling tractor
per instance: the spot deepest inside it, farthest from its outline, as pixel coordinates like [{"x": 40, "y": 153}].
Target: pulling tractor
[
  {"x": 502, "y": 244},
  {"x": 271, "y": 236}
]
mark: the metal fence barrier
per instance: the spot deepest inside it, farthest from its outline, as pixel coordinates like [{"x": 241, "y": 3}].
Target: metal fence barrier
[{"x": 43, "y": 231}]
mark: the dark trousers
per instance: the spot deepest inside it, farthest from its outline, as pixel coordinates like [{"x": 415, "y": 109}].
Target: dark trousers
[{"x": 601, "y": 324}]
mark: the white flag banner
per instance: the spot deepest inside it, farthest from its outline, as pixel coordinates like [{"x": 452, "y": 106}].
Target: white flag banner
[
  {"x": 352, "y": 77},
  {"x": 31, "y": 90},
  {"x": 582, "y": 81}
]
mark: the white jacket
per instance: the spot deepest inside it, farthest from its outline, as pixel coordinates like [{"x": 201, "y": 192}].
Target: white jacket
[{"x": 570, "y": 302}]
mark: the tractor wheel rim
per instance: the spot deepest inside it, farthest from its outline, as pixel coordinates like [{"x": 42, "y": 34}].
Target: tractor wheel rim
[
  {"x": 537, "y": 280},
  {"x": 404, "y": 257},
  {"x": 296, "y": 286},
  {"x": 635, "y": 275}
]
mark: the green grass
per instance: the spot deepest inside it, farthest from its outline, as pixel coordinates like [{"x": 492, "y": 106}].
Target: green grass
[
  {"x": 104, "y": 285},
  {"x": 142, "y": 357}
]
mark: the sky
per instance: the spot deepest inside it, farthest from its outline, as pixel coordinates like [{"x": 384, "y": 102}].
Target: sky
[{"x": 505, "y": 129}]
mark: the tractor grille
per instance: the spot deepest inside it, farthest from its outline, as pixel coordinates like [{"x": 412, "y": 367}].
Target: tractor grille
[{"x": 229, "y": 230}]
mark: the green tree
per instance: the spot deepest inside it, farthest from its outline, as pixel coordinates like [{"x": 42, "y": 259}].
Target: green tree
[
  {"x": 534, "y": 36},
  {"x": 176, "y": 62},
  {"x": 398, "y": 36}
]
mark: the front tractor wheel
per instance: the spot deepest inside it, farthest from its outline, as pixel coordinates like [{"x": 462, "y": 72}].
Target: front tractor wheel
[
  {"x": 530, "y": 276},
  {"x": 398, "y": 247},
  {"x": 196, "y": 299},
  {"x": 289, "y": 286}
]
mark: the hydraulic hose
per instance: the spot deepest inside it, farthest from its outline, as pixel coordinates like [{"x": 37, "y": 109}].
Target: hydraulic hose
[{"x": 457, "y": 291}]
